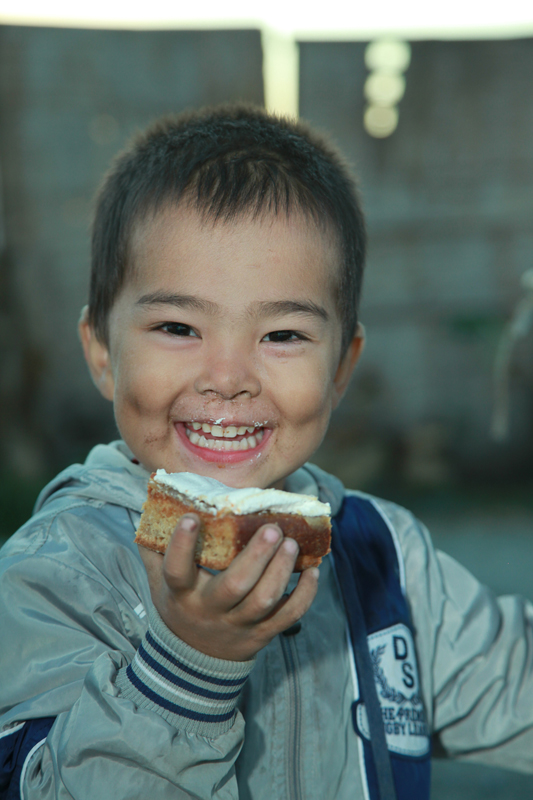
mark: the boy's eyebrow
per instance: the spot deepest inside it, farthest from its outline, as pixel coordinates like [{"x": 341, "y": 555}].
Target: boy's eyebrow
[
  {"x": 262, "y": 308},
  {"x": 178, "y": 300},
  {"x": 278, "y": 308}
]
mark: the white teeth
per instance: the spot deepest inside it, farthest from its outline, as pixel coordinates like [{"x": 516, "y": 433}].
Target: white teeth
[
  {"x": 217, "y": 430},
  {"x": 223, "y": 435}
]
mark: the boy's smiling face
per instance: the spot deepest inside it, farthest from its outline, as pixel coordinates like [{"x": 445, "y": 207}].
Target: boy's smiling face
[{"x": 220, "y": 328}]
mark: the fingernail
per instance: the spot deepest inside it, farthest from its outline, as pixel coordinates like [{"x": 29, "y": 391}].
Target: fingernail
[
  {"x": 188, "y": 523},
  {"x": 315, "y": 572},
  {"x": 271, "y": 535},
  {"x": 290, "y": 546}
]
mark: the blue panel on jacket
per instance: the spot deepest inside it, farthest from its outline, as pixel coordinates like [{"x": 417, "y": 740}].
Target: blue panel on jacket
[
  {"x": 14, "y": 750},
  {"x": 365, "y": 540}
]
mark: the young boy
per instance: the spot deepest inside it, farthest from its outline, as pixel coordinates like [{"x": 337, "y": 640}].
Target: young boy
[{"x": 228, "y": 250}]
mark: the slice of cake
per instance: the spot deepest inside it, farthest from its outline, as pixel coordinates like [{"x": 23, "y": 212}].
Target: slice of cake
[{"x": 230, "y": 517}]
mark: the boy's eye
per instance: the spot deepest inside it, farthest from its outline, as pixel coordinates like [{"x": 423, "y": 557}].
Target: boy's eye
[
  {"x": 283, "y": 336},
  {"x": 177, "y": 329}
]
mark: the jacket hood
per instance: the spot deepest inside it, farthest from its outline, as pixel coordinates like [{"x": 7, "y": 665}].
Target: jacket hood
[{"x": 110, "y": 475}]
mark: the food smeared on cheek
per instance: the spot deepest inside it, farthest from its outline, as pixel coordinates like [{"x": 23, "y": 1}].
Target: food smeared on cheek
[{"x": 152, "y": 439}]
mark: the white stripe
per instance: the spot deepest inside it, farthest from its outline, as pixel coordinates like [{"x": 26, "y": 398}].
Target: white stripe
[
  {"x": 351, "y": 657},
  {"x": 364, "y": 777},
  {"x": 399, "y": 554},
  {"x": 139, "y": 610},
  {"x": 356, "y": 695},
  {"x": 169, "y": 687},
  {"x": 26, "y": 764},
  {"x": 12, "y": 730}
]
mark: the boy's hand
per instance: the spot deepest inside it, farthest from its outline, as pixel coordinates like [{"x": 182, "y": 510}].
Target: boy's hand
[{"x": 233, "y": 614}]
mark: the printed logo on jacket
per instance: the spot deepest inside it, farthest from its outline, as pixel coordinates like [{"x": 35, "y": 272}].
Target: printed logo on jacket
[{"x": 393, "y": 658}]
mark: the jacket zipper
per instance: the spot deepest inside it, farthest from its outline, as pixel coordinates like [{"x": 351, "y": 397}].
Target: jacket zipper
[{"x": 288, "y": 647}]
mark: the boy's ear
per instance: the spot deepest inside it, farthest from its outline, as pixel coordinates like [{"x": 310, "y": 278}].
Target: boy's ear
[
  {"x": 348, "y": 363},
  {"x": 97, "y": 356}
]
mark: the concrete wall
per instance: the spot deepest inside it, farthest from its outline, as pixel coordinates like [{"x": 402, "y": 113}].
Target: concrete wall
[{"x": 449, "y": 200}]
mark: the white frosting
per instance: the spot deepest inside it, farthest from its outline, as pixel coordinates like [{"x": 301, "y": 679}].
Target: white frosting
[{"x": 214, "y": 496}]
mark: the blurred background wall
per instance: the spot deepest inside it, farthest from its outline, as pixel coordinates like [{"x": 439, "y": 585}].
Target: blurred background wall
[{"x": 449, "y": 201}]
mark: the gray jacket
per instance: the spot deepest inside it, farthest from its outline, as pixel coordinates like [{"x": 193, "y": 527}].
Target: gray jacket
[{"x": 74, "y": 612}]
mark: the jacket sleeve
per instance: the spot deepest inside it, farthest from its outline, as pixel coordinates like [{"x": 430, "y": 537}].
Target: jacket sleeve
[
  {"x": 475, "y": 655},
  {"x": 158, "y": 720}
]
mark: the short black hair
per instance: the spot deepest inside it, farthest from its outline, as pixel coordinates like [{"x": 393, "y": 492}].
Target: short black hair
[{"x": 226, "y": 161}]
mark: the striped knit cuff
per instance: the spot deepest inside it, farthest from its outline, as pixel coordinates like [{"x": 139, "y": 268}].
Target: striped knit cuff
[{"x": 192, "y": 691}]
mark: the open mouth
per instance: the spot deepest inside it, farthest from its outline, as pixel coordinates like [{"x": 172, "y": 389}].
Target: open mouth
[
  {"x": 229, "y": 439},
  {"x": 227, "y": 443}
]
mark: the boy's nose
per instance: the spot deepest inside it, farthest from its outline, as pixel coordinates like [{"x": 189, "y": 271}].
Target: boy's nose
[{"x": 228, "y": 378}]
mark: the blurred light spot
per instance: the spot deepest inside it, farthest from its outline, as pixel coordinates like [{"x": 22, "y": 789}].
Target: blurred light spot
[
  {"x": 103, "y": 129},
  {"x": 280, "y": 72},
  {"x": 381, "y": 121},
  {"x": 388, "y": 54},
  {"x": 386, "y": 59},
  {"x": 384, "y": 88}
]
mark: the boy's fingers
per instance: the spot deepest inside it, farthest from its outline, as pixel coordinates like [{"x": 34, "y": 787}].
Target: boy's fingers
[
  {"x": 232, "y": 585},
  {"x": 179, "y": 569},
  {"x": 268, "y": 591},
  {"x": 291, "y": 609}
]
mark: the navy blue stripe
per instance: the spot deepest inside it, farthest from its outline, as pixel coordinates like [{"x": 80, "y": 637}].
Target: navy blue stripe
[
  {"x": 356, "y": 623},
  {"x": 412, "y": 775},
  {"x": 179, "y": 710},
  {"x": 177, "y": 663},
  {"x": 374, "y": 564},
  {"x": 14, "y": 750},
  {"x": 371, "y": 569},
  {"x": 190, "y": 687}
]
